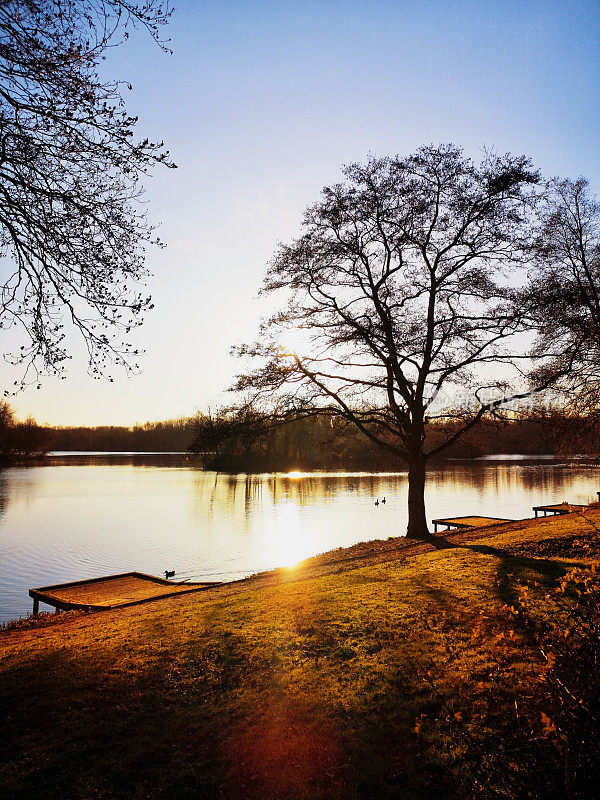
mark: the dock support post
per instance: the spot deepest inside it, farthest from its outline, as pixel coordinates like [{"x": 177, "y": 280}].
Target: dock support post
[{"x": 36, "y": 606}]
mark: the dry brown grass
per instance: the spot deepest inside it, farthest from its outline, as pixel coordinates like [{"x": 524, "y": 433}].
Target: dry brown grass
[{"x": 387, "y": 670}]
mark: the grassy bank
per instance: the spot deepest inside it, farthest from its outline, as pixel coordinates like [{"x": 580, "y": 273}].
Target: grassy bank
[{"x": 384, "y": 671}]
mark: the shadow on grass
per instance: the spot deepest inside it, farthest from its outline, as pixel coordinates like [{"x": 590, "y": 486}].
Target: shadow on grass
[
  {"x": 511, "y": 567},
  {"x": 74, "y": 727},
  {"x": 221, "y": 716}
]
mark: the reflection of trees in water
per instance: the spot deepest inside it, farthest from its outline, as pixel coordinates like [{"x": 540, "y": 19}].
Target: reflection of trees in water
[
  {"x": 457, "y": 476},
  {"x": 253, "y": 493},
  {"x": 548, "y": 479},
  {"x": 4, "y": 488},
  {"x": 241, "y": 495},
  {"x": 560, "y": 481},
  {"x": 503, "y": 477},
  {"x": 312, "y": 488},
  {"x": 215, "y": 493},
  {"x": 118, "y": 460},
  {"x": 19, "y": 485}
]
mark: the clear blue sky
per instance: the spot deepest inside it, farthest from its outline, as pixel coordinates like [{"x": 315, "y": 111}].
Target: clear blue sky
[{"x": 260, "y": 105}]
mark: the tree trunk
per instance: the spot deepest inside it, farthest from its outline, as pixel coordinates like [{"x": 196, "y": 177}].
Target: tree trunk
[{"x": 417, "y": 522}]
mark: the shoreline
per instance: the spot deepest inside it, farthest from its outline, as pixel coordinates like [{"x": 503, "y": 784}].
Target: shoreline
[{"x": 331, "y": 562}]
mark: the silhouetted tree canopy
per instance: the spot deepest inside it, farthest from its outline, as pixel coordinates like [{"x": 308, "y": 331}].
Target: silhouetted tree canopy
[
  {"x": 164, "y": 436},
  {"x": 229, "y": 442},
  {"x": 20, "y": 439},
  {"x": 72, "y": 229},
  {"x": 401, "y": 286},
  {"x": 565, "y": 289}
]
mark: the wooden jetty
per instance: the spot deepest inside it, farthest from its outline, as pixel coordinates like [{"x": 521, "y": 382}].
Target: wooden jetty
[
  {"x": 463, "y": 523},
  {"x": 558, "y": 508},
  {"x": 111, "y": 591}
]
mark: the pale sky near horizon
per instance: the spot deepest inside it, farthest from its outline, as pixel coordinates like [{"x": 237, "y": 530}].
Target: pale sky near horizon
[{"x": 260, "y": 105}]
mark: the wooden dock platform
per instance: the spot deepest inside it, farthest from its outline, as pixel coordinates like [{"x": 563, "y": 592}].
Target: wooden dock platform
[
  {"x": 112, "y": 591},
  {"x": 558, "y": 508},
  {"x": 468, "y": 522}
]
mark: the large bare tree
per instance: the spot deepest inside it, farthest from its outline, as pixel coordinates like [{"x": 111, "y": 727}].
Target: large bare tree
[
  {"x": 400, "y": 285},
  {"x": 72, "y": 229}
]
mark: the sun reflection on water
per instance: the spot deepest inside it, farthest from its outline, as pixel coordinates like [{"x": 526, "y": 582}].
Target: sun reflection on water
[{"x": 288, "y": 539}]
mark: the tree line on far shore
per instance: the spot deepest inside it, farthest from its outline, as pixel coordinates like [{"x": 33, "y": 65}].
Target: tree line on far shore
[
  {"x": 20, "y": 439},
  {"x": 239, "y": 444},
  {"x": 171, "y": 435},
  {"x": 29, "y": 440},
  {"x": 310, "y": 443}
]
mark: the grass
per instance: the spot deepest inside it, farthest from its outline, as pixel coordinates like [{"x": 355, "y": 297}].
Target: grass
[{"x": 413, "y": 678}]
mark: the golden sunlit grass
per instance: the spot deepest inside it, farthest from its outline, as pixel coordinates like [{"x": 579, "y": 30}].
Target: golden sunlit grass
[{"x": 400, "y": 679}]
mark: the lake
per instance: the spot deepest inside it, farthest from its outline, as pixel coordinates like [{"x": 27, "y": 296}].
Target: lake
[{"x": 84, "y": 515}]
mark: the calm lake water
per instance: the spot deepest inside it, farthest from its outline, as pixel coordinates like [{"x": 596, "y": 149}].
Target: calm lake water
[{"x": 82, "y": 515}]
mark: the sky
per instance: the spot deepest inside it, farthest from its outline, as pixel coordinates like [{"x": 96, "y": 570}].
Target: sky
[{"x": 260, "y": 105}]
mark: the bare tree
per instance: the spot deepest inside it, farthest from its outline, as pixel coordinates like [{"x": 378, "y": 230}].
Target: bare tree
[
  {"x": 400, "y": 285},
  {"x": 564, "y": 292},
  {"x": 72, "y": 229}
]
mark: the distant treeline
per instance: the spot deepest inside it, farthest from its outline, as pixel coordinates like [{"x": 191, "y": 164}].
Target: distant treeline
[
  {"x": 313, "y": 443},
  {"x": 20, "y": 439},
  {"x": 173, "y": 435},
  {"x": 29, "y": 440},
  {"x": 322, "y": 443}
]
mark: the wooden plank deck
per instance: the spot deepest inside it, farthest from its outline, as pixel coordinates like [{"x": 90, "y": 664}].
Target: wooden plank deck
[
  {"x": 468, "y": 522},
  {"x": 558, "y": 508},
  {"x": 112, "y": 591}
]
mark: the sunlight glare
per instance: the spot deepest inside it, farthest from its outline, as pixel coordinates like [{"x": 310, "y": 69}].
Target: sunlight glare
[{"x": 289, "y": 542}]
